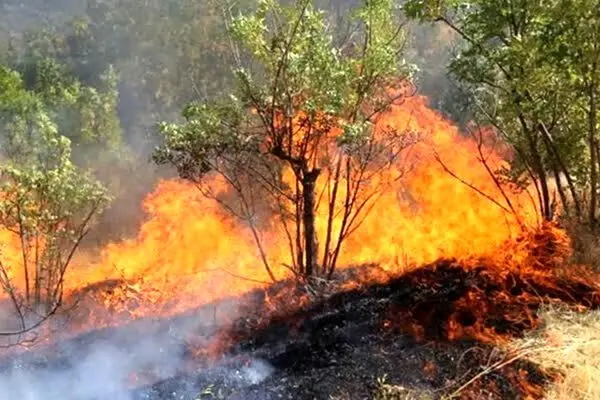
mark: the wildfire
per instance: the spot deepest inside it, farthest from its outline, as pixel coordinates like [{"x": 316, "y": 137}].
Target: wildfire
[{"x": 190, "y": 252}]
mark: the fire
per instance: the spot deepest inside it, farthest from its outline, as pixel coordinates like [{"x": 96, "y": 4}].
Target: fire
[
  {"x": 11, "y": 254},
  {"x": 190, "y": 251},
  {"x": 431, "y": 214}
]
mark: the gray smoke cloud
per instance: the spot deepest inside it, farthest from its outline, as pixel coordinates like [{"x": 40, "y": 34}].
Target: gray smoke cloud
[
  {"x": 103, "y": 369},
  {"x": 101, "y": 373},
  {"x": 101, "y": 364}
]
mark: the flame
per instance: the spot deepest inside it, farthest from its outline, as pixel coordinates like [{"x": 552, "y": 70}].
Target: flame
[{"x": 190, "y": 251}]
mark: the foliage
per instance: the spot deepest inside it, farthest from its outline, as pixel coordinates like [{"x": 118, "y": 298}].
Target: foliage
[
  {"x": 166, "y": 52},
  {"x": 85, "y": 113},
  {"x": 45, "y": 200},
  {"x": 533, "y": 70},
  {"x": 136, "y": 62},
  {"x": 308, "y": 107}
]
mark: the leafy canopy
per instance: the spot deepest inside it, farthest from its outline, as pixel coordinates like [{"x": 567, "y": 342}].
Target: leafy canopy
[
  {"x": 297, "y": 71},
  {"x": 305, "y": 104}
]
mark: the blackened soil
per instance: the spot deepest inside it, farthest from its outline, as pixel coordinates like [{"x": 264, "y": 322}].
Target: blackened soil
[
  {"x": 351, "y": 371},
  {"x": 430, "y": 330}
]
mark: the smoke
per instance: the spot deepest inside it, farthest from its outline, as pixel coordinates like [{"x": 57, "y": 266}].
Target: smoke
[
  {"x": 100, "y": 374},
  {"x": 256, "y": 372},
  {"x": 109, "y": 364}
]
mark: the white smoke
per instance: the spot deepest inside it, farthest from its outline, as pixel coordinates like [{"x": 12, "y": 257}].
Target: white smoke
[
  {"x": 100, "y": 366},
  {"x": 255, "y": 372},
  {"x": 102, "y": 373}
]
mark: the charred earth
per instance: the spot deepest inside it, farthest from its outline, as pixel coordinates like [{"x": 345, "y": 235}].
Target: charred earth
[{"x": 430, "y": 330}]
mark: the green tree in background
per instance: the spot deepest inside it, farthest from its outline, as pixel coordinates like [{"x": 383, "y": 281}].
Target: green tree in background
[
  {"x": 84, "y": 101},
  {"x": 46, "y": 201},
  {"x": 282, "y": 117},
  {"x": 532, "y": 68},
  {"x": 573, "y": 44}
]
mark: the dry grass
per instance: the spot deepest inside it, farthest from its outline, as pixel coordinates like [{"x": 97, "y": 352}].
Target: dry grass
[
  {"x": 586, "y": 243},
  {"x": 569, "y": 343},
  {"x": 386, "y": 391}
]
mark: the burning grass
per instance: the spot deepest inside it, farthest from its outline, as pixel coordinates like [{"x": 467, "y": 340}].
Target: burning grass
[
  {"x": 489, "y": 300},
  {"x": 466, "y": 313},
  {"x": 444, "y": 328}
]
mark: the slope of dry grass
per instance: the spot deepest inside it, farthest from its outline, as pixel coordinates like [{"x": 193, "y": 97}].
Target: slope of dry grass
[{"x": 569, "y": 343}]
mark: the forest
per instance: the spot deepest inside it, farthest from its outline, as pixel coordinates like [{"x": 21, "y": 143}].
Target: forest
[{"x": 264, "y": 174}]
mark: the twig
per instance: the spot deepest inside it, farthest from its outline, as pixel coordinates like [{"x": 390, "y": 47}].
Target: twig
[
  {"x": 238, "y": 276},
  {"x": 487, "y": 196},
  {"x": 498, "y": 365}
]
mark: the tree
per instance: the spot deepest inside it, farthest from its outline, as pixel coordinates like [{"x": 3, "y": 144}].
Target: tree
[
  {"x": 46, "y": 202},
  {"x": 573, "y": 43},
  {"x": 86, "y": 113},
  {"x": 302, "y": 122},
  {"x": 531, "y": 67},
  {"x": 144, "y": 58}
]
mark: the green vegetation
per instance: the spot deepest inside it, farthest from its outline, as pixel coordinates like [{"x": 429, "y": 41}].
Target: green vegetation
[
  {"x": 533, "y": 72},
  {"x": 46, "y": 201}
]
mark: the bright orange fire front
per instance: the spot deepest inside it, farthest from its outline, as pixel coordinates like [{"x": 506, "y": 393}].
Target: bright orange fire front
[{"x": 190, "y": 251}]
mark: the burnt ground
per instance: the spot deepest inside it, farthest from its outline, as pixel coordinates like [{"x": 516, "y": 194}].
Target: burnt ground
[
  {"x": 430, "y": 330},
  {"x": 350, "y": 370}
]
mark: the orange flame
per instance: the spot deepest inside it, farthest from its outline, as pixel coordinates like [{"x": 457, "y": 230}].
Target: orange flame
[{"x": 190, "y": 251}]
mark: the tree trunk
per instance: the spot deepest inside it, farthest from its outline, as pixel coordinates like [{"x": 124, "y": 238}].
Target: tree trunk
[
  {"x": 560, "y": 189},
  {"x": 593, "y": 160},
  {"x": 557, "y": 159},
  {"x": 537, "y": 165},
  {"x": 546, "y": 209},
  {"x": 308, "y": 221},
  {"x": 538, "y": 168}
]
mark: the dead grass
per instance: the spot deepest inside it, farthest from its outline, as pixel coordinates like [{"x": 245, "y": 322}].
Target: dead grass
[
  {"x": 386, "y": 391},
  {"x": 585, "y": 242},
  {"x": 570, "y": 344}
]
